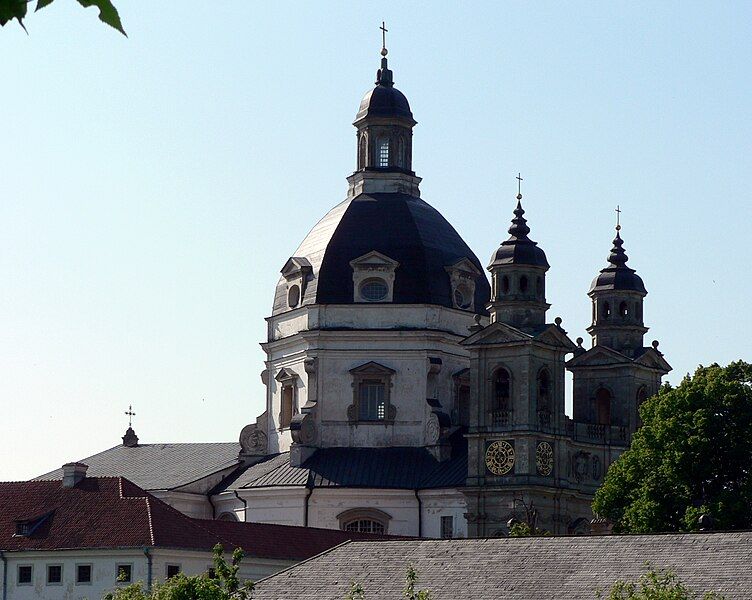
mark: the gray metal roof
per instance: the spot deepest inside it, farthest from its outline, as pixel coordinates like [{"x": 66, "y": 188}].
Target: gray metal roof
[
  {"x": 518, "y": 568},
  {"x": 395, "y": 468},
  {"x": 159, "y": 466}
]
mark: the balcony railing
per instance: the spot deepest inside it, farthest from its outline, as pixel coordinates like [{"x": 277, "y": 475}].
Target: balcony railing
[{"x": 501, "y": 418}]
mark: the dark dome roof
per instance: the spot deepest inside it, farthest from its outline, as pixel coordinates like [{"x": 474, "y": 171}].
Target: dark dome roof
[
  {"x": 384, "y": 100},
  {"x": 402, "y": 227},
  {"x": 519, "y": 249},
  {"x": 618, "y": 276}
]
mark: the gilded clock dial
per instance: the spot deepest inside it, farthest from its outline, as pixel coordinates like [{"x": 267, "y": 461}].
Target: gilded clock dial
[
  {"x": 500, "y": 457},
  {"x": 544, "y": 458}
]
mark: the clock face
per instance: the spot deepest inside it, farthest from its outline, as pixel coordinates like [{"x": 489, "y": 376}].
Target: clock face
[
  {"x": 544, "y": 458},
  {"x": 500, "y": 457}
]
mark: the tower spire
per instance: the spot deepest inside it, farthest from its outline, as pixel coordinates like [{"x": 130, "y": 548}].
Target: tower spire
[{"x": 384, "y": 75}]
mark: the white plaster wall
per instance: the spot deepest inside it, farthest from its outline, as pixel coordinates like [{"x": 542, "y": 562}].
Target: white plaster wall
[
  {"x": 443, "y": 503},
  {"x": 104, "y": 564},
  {"x": 284, "y": 506},
  {"x": 193, "y": 505}
]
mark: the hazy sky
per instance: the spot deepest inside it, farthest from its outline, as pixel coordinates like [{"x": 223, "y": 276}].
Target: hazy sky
[{"x": 152, "y": 187}]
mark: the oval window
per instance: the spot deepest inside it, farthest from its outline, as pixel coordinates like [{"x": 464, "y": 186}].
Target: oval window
[
  {"x": 462, "y": 298},
  {"x": 293, "y": 296},
  {"x": 374, "y": 290}
]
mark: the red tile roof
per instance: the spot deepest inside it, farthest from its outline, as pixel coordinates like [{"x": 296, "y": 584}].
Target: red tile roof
[{"x": 112, "y": 512}]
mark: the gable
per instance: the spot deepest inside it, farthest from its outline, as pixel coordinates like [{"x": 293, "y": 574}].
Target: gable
[
  {"x": 653, "y": 359},
  {"x": 598, "y": 356},
  {"x": 374, "y": 260},
  {"x": 555, "y": 336},
  {"x": 496, "y": 333},
  {"x": 372, "y": 368}
]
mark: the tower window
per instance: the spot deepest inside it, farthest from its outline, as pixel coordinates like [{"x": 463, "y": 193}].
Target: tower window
[
  {"x": 384, "y": 153},
  {"x": 623, "y": 310},
  {"x": 539, "y": 286},
  {"x": 603, "y": 407},
  {"x": 606, "y": 310},
  {"x": 505, "y": 285},
  {"x": 288, "y": 403},
  {"x": 523, "y": 284},
  {"x": 544, "y": 390},
  {"x": 372, "y": 403},
  {"x": 293, "y": 296},
  {"x": 374, "y": 290},
  {"x": 502, "y": 390},
  {"x": 642, "y": 395},
  {"x": 447, "y": 527},
  {"x": 462, "y": 297}
]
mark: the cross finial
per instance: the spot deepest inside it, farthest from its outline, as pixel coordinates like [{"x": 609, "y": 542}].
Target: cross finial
[
  {"x": 618, "y": 218},
  {"x": 383, "y": 28},
  {"x": 130, "y": 414},
  {"x": 519, "y": 186}
]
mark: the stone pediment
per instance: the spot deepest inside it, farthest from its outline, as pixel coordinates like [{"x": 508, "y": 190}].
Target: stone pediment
[
  {"x": 464, "y": 267},
  {"x": 555, "y": 336},
  {"x": 296, "y": 266},
  {"x": 599, "y": 356},
  {"x": 653, "y": 359},
  {"x": 372, "y": 368},
  {"x": 497, "y": 333},
  {"x": 374, "y": 260}
]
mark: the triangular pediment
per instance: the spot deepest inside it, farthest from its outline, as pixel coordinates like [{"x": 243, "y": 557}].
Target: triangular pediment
[
  {"x": 497, "y": 333},
  {"x": 652, "y": 359},
  {"x": 295, "y": 266},
  {"x": 599, "y": 356},
  {"x": 285, "y": 374},
  {"x": 374, "y": 259},
  {"x": 465, "y": 267},
  {"x": 555, "y": 336},
  {"x": 372, "y": 368}
]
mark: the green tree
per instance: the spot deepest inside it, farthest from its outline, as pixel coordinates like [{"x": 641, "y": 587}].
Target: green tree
[
  {"x": 225, "y": 585},
  {"x": 411, "y": 581},
  {"x": 691, "y": 457},
  {"x": 655, "y": 585},
  {"x": 17, "y": 9}
]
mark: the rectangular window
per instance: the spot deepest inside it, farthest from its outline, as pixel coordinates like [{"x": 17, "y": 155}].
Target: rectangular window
[
  {"x": 124, "y": 573},
  {"x": 172, "y": 570},
  {"x": 83, "y": 574},
  {"x": 447, "y": 528},
  {"x": 211, "y": 572},
  {"x": 384, "y": 153},
  {"x": 24, "y": 574},
  {"x": 372, "y": 405},
  {"x": 54, "y": 574}
]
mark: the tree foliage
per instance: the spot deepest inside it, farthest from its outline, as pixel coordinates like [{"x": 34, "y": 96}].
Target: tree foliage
[
  {"x": 17, "y": 9},
  {"x": 225, "y": 584},
  {"x": 656, "y": 585},
  {"x": 524, "y": 529},
  {"x": 409, "y": 593},
  {"x": 691, "y": 457}
]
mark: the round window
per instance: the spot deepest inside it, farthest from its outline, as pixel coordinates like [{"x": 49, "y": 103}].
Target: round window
[
  {"x": 374, "y": 290},
  {"x": 293, "y": 296},
  {"x": 462, "y": 297}
]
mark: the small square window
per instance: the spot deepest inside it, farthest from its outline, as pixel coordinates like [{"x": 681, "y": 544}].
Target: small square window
[
  {"x": 447, "y": 528},
  {"x": 24, "y": 574},
  {"x": 124, "y": 573},
  {"x": 172, "y": 570},
  {"x": 83, "y": 574},
  {"x": 211, "y": 572},
  {"x": 54, "y": 574}
]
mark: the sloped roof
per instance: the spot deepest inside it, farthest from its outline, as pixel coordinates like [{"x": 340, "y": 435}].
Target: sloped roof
[
  {"x": 159, "y": 466},
  {"x": 543, "y": 568},
  {"x": 386, "y": 468},
  {"x": 109, "y": 512}
]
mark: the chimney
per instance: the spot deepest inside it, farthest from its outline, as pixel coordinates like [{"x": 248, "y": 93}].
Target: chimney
[
  {"x": 601, "y": 526},
  {"x": 73, "y": 473}
]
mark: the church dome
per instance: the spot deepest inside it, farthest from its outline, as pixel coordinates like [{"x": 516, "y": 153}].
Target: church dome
[
  {"x": 384, "y": 100},
  {"x": 402, "y": 227},
  {"x": 519, "y": 249},
  {"x": 618, "y": 276}
]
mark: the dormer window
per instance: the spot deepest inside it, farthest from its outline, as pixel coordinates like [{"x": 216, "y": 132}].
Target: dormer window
[
  {"x": 372, "y": 385},
  {"x": 462, "y": 276},
  {"x": 297, "y": 271},
  {"x": 373, "y": 277},
  {"x": 384, "y": 153},
  {"x": 23, "y": 528}
]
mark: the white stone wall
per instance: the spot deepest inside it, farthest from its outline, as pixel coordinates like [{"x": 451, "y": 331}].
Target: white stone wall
[{"x": 104, "y": 570}]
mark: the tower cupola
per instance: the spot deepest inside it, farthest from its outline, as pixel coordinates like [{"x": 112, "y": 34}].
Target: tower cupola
[
  {"x": 617, "y": 294},
  {"x": 384, "y": 124},
  {"x": 518, "y": 277}
]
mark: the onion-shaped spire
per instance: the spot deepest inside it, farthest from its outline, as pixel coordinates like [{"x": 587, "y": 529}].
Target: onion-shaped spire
[
  {"x": 617, "y": 275},
  {"x": 519, "y": 228},
  {"x": 618, "y": 256}
]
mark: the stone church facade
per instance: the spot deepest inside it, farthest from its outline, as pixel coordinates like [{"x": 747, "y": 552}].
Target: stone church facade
[{"x": 404, "y": 394}]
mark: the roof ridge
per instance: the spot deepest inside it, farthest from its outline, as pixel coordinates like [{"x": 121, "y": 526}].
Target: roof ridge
[{"x": 151, "y": 522}]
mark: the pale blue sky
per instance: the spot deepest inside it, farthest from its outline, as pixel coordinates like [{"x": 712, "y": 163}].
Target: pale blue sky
[{"x": 152, "y": 187}]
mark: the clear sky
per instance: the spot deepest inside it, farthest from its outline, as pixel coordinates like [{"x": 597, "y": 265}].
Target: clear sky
[{"x": 152, "y": 187}]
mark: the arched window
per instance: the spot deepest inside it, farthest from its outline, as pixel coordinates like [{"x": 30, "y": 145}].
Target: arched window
[
  {"x": 539, "y": 286},
  {"x": 227, "y": 516},
  {"x": 365, "y": 526},
  {"x": 505, "y": 285},
  {"x": 384, "y": 153},
  {"x": 288, "y": 398},
  {"x": 606, "y": 310},
  {"x": 642, "y": 395},
  {"x": 623, "y": 310},
  {"x": 362, "y": 151},
  {"x": 364, "y": 520},
  {"x": 523, "y": 284},
  {"x": 603, "y": 407},
  {"x": 638, "y": 310},
  {"x": 544, "y": 390},
  {"x": 502, "y": 390}
]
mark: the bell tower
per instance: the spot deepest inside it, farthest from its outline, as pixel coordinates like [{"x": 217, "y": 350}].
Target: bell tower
[{"x": 518, "y": 277}]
